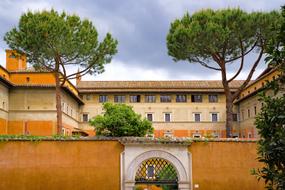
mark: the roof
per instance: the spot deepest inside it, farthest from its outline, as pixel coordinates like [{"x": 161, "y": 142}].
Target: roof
[
  {"x": 5, "y": 81},
  {"x": 155, "y": 86},
  {"x": 264, "y": 74}
]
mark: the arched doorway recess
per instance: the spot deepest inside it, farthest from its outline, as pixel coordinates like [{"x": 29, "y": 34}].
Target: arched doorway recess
[{"x": 136, "y": 154}]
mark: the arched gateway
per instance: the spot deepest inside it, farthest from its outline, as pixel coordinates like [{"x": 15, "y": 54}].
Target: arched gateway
[
  {"x": 156, "y": 172},
  {"x": 155, "y": 164}
]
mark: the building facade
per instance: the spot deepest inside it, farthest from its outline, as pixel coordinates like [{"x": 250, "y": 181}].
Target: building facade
[{"x": 176, "y": 108}]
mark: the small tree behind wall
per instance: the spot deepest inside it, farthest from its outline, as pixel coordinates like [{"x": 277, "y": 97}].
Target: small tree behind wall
[
  {"x": 55, "y": 41},
  {"x": 120, "y": 120}
]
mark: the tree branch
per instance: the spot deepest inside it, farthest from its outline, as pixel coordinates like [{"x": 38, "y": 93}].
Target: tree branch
[
  {"x": 241, "y": 64},
  {"x": 247, "y": 52},
  {"x": 81, "y": 75},
  {"x": 204, "y": 64},
  {"x": 245, "y": 83}
]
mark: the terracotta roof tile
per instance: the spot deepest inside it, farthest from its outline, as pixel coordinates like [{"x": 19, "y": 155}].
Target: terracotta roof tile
[{"x": 88, "y": 86}]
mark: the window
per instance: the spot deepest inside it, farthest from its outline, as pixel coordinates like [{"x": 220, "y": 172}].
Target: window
[
  {"x": 196, "y": 98},
  {"x": 135, "y": 98},
  {"x": 242, "y": 114},
  {"x": 165, "y": 98},
  {"x": 235, "y": 117},
  {"x": 119, "y": 99},
  {"x": 197, "y": 135},
  {"x": 197, "y": 117},
  {"x": 28, "y": 79},
  {"x": 214, "y": 117},
  {"x": 149, "y": 116},
  {"x": 150, "y": 98},
  {"x": 150, "y": 172},
  {"x": 255, "y": 111},
  {"x": 213, "y": 98},
  {"x": 87, "y": 97},
  {"x": 167, "y": 117},
  {"x": 248, "y": 113},
  {"x": 85, "y": 117},
  {"x": 168, "y": 133},
  {"x": 215, "y": 134},
  {"x": 3, "y": 105},
  {"x": 62, "y": 106},
  {"x": 181, "y": 98},
  {"x": 103, "y": 98},
  {"x": 249, "y": 135},
  {"x": 63, "y": 131}
]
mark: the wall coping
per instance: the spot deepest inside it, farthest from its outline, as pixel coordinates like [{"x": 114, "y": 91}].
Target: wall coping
[{"x": 125, "y": 140}]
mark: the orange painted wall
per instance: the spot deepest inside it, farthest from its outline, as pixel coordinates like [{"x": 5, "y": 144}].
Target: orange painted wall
[
  {"x": 40, "y": 128},
  {"x": 15, "y": 127},
  {"x": 35, "y": 78},
  {"x": 96, "y": 165},
  {"x": 224, "y": 165},
  {"x": 60, "y": 165},
  {"x": 4, "y": 74},
  {"x": 3, "y": 126},
  {"x": 190, "y": 133},
  {"x": 15, "y": 61}
]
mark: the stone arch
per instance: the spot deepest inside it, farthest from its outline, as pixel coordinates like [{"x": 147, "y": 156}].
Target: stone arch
[{"x": 183, "y": 179}]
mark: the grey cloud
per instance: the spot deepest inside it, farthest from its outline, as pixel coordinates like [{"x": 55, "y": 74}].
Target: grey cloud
[{"x": 140, "y": 26}]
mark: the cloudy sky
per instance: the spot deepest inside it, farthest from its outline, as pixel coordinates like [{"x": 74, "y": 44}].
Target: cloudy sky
[{"x": 140, "y": 26}]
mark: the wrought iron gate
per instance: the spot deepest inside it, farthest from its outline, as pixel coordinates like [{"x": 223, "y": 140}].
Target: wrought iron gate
[{"x": 157, "y": 171}]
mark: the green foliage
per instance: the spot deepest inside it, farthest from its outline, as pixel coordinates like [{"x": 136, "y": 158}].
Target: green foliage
[
  {"x": 271, "y": 150},
  {"x": 271, "y": 121},
  {"x": 120, "y": 120},
  {"x": 48, "y": 36},
  {"x": 167, "y": 173},
  {"x": 4, "y": 138},
  {"x": 197, "y": 37}
]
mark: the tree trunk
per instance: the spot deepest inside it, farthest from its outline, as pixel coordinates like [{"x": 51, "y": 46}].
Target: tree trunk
[
  {"x": 58, "y": 103},
  {"x": 229, "y": 116}
]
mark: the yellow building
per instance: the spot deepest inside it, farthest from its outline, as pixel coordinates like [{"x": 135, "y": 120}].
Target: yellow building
[
  {"x": 176, "y": 108},
  {"x": 28, "y": 100},
  {"x": 248, "y": 105}
]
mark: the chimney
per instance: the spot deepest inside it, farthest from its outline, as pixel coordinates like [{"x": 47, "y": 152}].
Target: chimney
[
  {"x": 78, "y": 77},
  {"x": 15, "y": 61}
]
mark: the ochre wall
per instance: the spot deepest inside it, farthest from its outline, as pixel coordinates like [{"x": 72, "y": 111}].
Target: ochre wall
[
  {"x": 60, "y": 165},
  {"x": 96, "y": 165},
  {"x": 41, "y": 128},
  {"x": 3, "y": 126},
  {"x": 224, "y": 165}
]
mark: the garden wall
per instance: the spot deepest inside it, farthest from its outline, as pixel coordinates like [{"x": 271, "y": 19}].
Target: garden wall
[
  {"x": 95, "y": 164},
  {"x": 60, "y": 165},
  {"x": 224, "y": 165}
]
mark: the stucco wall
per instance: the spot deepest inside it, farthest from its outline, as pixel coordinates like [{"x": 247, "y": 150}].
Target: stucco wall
[
  {"x": 96, "y": 165},
  {"x": 60, "y": 165},
  {"x": 224, "y": 166}
]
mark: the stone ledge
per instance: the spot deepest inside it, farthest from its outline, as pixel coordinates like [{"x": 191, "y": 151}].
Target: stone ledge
[{"x": 124, "y": 140}]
